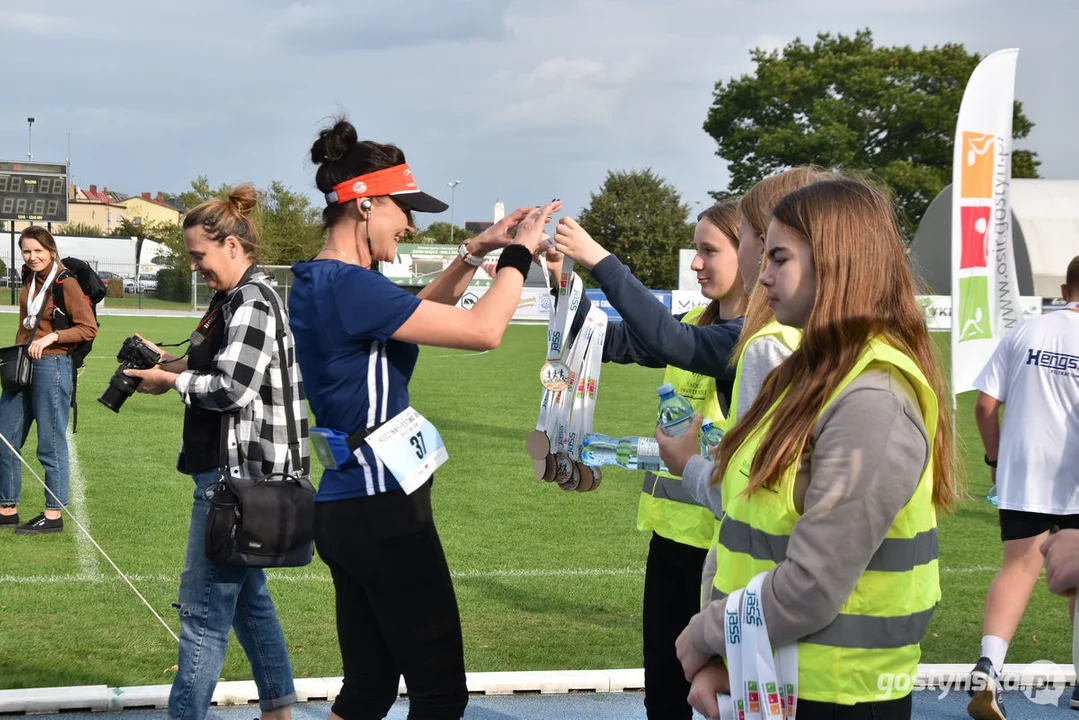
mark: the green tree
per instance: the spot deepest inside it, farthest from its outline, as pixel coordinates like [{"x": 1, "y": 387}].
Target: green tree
[
  {"x": 641, "y": 218},
  {"x": 200, "y": 192},
  {"x": 289, "y": 226},
  {"x": 438, "y": 233},
  {"x": 843, "y": 103},
  {"x": 168, "y": 234},
  {"x": 80, "y": 229}
]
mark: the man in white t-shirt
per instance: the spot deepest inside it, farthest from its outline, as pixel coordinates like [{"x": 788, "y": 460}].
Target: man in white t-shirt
[{"x": 1034, "y": 461}]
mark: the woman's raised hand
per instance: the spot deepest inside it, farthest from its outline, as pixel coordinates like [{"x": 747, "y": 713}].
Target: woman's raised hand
[
  {"x": 530, "y": 230},
  {"x": 574, "y": 241},
  {"x": 498, "y": 235}
]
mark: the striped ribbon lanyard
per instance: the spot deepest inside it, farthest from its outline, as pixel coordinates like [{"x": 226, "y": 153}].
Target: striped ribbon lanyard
[{"x": 764, "y": 682}]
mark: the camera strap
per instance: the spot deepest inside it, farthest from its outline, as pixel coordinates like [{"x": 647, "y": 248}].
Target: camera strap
[{"x": 209, "y": 320}]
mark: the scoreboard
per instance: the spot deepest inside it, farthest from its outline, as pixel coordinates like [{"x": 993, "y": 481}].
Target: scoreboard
[{"x": 33, "y": 192}]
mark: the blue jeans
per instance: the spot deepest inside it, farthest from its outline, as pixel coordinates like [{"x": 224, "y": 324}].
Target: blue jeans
[
  {"x": 213, "y": 598},
  {"x": 48, "y": 402}
]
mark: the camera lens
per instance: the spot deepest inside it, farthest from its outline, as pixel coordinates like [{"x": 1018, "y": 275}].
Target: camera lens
[{"x": 120, "y": 389}]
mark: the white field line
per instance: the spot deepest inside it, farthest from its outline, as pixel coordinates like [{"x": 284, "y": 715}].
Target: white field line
[
  {"x": 89, "y": 566},
  {"x": 302, "y": 577}
]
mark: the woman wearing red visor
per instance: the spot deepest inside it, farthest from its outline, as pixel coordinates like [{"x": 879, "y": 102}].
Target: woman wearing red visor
[{"x": 357, "y": 341}]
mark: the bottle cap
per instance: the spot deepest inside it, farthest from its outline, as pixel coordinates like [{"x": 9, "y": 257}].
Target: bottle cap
[{"x": 665, "y": 389}]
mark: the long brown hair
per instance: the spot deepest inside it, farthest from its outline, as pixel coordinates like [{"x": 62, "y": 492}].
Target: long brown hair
[
  {"x": 864, "y": 288},
  {"x": 724, "y": 215},
  {"x": 755, "y": 208}
]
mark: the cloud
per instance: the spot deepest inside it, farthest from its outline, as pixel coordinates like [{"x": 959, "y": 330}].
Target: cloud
[
  {"x": 519, "y": 99},
  {"x": 35, "y": 24},
  {"x": 321, "y": 27},
  {"x": 566, "y": 92}
]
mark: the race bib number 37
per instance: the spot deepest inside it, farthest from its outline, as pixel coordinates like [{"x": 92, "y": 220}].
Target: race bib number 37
[{"x": 410, "y": 446}]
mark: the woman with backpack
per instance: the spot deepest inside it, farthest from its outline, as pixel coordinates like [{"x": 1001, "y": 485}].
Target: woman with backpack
[
  {"x": 51, "y": 335},
  {"x": 232, "y": 382}
]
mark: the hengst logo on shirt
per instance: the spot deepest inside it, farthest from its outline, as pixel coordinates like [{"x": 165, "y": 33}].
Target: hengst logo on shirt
[{"x": 1056, "y": 363}]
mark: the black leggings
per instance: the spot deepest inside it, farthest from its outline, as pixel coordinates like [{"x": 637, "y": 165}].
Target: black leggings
[
  {"x": 899, "y": 709},
  {"x": 672, "y": 595},
  {"x": 396, "y": 610}
]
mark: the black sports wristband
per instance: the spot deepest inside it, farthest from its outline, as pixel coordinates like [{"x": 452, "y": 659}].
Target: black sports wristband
[
  {"x": 517, "y": 257},
  {"x": 990, "y": 463}
]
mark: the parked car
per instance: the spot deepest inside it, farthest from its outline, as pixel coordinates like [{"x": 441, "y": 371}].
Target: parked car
[{"x": 145, "y": 283}]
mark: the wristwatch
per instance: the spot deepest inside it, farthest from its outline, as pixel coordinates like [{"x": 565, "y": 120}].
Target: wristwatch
[
  {"x": 990, "y": 463},
  {"x": 473, "y": 260}
]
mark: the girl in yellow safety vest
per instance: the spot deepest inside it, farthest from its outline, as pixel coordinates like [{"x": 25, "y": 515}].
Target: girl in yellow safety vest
[
  {"x": 832, "y": 479},
  {"x": 696, "y": 349},
  {"x": 764, "y": 343}
]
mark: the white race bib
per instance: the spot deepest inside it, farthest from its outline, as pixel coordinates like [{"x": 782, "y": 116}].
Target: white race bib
[{"x": 410, "y": 446}]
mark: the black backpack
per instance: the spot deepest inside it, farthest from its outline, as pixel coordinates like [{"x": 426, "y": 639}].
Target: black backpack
[{"x": 93, "y": 287}]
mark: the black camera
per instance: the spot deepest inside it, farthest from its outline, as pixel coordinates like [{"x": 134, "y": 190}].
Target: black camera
[{"x": 134, "y": 354}]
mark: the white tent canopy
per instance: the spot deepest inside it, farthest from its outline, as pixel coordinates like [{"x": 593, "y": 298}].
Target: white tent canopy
[{"x": 1045, "y": 231}]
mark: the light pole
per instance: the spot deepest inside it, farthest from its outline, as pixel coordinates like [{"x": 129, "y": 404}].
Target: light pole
[
  {"x": 453, "y": 187},
  {"x": 30, "y": 138}
]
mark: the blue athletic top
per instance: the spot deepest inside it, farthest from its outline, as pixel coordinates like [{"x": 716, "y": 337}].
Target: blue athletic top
[{"x": 356, "y": 377}]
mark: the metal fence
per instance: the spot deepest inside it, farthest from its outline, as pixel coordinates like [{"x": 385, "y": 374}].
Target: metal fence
[{"x": 280, "y": 279}]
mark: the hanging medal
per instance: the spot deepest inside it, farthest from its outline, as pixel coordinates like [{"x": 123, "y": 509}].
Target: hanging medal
[{"x": 555, "y": 373}]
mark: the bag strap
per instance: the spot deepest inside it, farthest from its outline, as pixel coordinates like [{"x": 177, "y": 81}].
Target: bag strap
[
  {"x": 286, "y": 388},
  {"x": 41, "y": 312}
]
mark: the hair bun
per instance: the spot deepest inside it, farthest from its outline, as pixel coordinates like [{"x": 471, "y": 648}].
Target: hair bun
[
  {"x": 243, "y": 199},
  {"x": 333, "y": 143}
]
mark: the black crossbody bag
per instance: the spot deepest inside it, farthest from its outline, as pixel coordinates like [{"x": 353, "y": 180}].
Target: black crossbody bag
[
  {"x": 16, "y": 365},
  {"x": 265, "y": 521}
]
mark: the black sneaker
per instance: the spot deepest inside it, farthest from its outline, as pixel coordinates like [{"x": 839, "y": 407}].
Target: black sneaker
[
  {"x": 986, "y": 694},
  {"x": 1075, "y": 698},
  {"x": 9, "y": 521},
  {"x": 41, "y": 525}
]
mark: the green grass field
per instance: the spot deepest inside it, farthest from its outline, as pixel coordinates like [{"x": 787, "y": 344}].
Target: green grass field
[{"x": 545, "y": 579}]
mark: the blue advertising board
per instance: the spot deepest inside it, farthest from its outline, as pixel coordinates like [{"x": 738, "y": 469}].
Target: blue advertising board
[{"x": 599, "y": 299}]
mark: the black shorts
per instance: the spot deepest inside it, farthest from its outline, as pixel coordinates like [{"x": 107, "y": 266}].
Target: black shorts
[{"x": 1019, "y": 525}]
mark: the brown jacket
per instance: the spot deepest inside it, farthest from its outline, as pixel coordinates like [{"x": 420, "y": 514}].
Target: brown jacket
[{"x": 83, "y": 327}]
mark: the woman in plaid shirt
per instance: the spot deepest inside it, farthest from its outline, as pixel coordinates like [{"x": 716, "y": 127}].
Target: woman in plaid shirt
[{"x": 230, "y": 375}]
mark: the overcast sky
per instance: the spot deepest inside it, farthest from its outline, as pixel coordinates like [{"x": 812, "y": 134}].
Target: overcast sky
[{"x": 520, "y": 100}]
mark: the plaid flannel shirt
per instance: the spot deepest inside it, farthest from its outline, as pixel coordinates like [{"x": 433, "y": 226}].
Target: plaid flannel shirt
[{"x": 246, "y": 383}]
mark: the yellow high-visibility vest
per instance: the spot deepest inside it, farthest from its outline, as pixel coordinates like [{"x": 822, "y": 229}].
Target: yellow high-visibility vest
[
  {"x": 880, "y": 627},
  {"x": 665, "y": 507}
]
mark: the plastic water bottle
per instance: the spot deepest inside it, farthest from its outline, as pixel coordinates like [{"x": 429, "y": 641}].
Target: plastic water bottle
[
  {"x": 710, "y": 436},
  {"x": 992, "y": 496},
  {"x": 675, "y": 412},
  {"x": 632, "y": 453},
  {"x": 598, "y": 449},
  {"x": 640, "y": 453}
]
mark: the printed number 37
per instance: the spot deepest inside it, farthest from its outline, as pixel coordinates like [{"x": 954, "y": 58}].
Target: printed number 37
[{"x": 416, "y": 441}]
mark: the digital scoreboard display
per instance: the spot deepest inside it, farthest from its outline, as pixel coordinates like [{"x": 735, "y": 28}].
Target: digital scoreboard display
[{"x": 33, "y": 192}]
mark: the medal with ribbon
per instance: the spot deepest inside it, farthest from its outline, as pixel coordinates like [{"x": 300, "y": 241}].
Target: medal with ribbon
[{"x": 555, "y": 373}]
